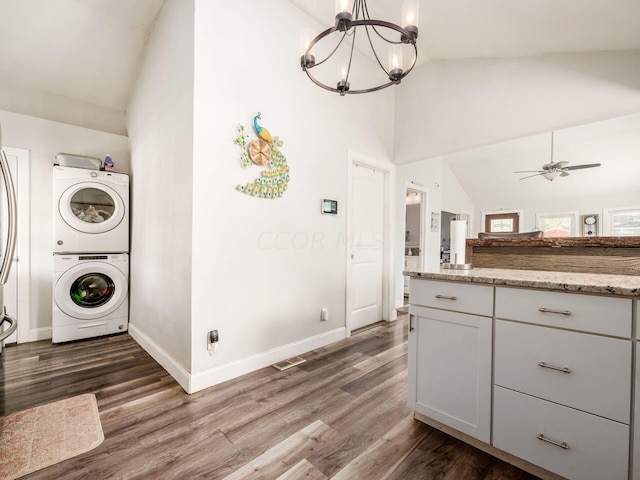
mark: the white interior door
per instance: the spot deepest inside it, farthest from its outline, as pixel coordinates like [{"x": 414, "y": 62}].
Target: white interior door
[{"x": 367, "y": 242}]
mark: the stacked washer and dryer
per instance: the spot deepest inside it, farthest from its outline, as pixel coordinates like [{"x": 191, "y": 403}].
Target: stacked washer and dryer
[{"x": 91, "y": 253}]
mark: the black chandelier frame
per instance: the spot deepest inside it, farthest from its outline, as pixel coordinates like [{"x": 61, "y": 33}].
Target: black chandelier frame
[{"x": 344, "y": 23}]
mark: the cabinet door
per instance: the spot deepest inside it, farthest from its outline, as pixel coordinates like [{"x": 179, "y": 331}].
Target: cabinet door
[
  {"x": 636, "y": 427},
  {"x": 450, "y": 369}
]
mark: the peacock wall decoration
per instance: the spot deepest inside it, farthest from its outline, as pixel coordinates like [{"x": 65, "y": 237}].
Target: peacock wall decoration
[{"x": 263, "y": 151}]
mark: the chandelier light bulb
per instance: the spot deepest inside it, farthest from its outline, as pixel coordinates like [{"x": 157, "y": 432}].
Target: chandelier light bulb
[
  {"x": 307, "y": 60},
  {"x": 410, "y": 14},
  {"x": 343, "y": 6},
  {"x": 395, "y": 63},
  {"x": 306, "y": 36}
]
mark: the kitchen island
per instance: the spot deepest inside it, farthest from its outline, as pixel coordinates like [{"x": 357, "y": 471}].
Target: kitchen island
[{"x": 538, "y": 368}]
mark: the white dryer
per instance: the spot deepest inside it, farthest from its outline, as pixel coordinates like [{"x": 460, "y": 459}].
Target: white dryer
[
  {"x": 90, "y": 295},
  {"x": 91, "y": 211}
]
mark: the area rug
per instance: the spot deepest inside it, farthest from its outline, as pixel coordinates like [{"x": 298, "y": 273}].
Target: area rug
[{"x": 42, "y": 436}]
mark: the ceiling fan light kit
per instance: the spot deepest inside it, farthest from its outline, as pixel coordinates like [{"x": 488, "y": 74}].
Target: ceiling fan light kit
[
  {"x": 552, "y": 170},
  {"x": 352, "y": 16}
]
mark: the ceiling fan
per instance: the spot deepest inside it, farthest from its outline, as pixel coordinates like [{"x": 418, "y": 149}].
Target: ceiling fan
[{"x": 553, "y": 169}]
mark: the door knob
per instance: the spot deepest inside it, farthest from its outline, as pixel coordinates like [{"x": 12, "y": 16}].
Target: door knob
[{"x": 352, "y": 256}]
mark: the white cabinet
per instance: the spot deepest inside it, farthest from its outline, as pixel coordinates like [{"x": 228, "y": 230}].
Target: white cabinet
[
  {"x": 636, "y": 428},
  {"x": 450, "y": 361},
  {"x": 562, "y": 398},
  {"x": 563, "y": 440},
  {"x": 587, "y": 313},
  {"x": 587, "y": 372},
  {"x": 544, "y": 379}
]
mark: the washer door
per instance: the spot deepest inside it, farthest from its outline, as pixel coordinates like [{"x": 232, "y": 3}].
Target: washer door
[
  {"x": 90, "y": 290},
  {"x": 91, "y": 207}
]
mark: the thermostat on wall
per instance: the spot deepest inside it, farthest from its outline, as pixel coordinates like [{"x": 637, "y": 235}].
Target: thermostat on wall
[{"x": 329, "y": 207}]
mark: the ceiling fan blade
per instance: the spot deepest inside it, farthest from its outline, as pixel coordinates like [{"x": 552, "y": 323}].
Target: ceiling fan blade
[
  {"x": 529, "y": 171},
  {"x": 561, "y": 164},
  {"x": 586, "y": 165},
  {"x": 535, "y": 175}
]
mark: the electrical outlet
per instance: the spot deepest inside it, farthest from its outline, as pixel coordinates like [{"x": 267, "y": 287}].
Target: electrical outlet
[
  {"x": 324, "y": 314},
  {"x": 212, "y": 341}
]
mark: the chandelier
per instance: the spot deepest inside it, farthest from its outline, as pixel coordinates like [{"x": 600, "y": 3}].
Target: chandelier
[{"x": 353, "y": 22}]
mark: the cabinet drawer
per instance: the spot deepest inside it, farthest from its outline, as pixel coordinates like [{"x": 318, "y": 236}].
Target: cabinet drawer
[
  {"x": 597, "y": 375},
  {"x": 597, "y": 448},
  {"x": 459, "y": 297},
  {"x": 589, "y": 313}
]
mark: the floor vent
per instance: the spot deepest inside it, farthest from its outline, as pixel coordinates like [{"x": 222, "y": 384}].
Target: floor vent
[{"x": 288, "y": 363}]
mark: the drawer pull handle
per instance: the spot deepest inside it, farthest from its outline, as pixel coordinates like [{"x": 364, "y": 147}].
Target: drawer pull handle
[
  {"x": 553, "y": 367},
  {"x": 553, "y": 442},
  {"x": 446, "y": 297},
  {"x": 411, "y": 322},
  {"x": 551, "y": 310}
]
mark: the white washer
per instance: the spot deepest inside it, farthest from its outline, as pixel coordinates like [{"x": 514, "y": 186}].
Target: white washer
[
  {"x": 90, "y": 295},
  {"x": 91, "y": 211}
]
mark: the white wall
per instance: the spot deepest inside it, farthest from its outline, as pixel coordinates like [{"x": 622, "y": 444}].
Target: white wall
[
  {"x": 263, "y": 269},
  {"x": 160, "y": 121},
  {"x": 44, "y": 139},
  {"x": 582, "y": 205},
  {"x": 461, "y": 104},
  {"x": 15, "y": 97}
]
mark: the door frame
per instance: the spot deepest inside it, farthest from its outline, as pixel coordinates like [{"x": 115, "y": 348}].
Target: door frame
[
  {"x": 23, "y": 251},
  {"x": 388, "y": 282},
  {"x": 424, "y": 202}
]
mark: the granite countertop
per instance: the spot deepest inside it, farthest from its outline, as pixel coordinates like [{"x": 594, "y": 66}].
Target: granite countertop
[{"x": 627, "y": 285}]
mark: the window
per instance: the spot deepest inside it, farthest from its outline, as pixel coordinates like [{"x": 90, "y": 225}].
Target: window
[
  {"x": 622, "y": 222},
  {"x": 562, "y": 224},
  {"x": 508, "y": 222}
]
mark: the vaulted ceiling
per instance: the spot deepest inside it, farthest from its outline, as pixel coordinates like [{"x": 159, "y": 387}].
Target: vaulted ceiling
[
  {"x": 457, "y": 29},
  {"x": 83, "y": 49},
  {"x": 89, "y": 50}
]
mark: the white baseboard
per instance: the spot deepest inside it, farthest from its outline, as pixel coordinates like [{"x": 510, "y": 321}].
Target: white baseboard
[
  {"x": 37, "y": 334},
  {"x": 192, "y": 383},
  {"x": 222, "y": 373},
  {"x": 163, "y": 358}
]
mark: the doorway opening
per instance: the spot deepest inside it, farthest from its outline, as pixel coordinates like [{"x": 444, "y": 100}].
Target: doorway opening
[{"x": 414, "y": 236}]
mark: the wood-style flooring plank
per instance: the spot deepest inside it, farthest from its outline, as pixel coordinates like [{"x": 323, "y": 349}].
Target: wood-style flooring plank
[
  {"x": 286, "y": 454},
  {"x": 379, "y": 460},
  {"x": 355, "y": 389},
  {"x": 302, "y": 470}
]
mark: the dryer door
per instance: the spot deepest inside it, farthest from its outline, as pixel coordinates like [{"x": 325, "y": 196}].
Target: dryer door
[
  {"x": 90, "y": 290},
  {"x": 91, "y": 207}
]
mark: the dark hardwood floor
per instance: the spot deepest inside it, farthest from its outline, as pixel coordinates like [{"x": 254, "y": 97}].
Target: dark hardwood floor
[{"x": 340, "y": 415}]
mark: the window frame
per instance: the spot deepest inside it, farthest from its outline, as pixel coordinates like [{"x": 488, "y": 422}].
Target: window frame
[
  {"x": 519, "y": 214},
  {"x": 607, "y": 217},
  {"x": 575, "y": 218}
]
